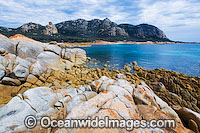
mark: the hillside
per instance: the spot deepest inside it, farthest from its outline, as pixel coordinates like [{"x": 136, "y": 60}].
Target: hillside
[{"x": 81, "y": 30}]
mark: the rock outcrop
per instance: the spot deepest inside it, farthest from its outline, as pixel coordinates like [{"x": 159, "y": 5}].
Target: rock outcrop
[
  {"x": 83, "y": 30},
  {"x": 96, "y": 27},
  {"x": 174, "y": 88},
  {"x": 144, "y": 31},
  {"x": 50, "y": 29},
  {"x": 116, "y": 99},
  {"x": 21, "y": 57},
  {"x": 44, "y": 80},
  {"x": 29, "y": 26}
]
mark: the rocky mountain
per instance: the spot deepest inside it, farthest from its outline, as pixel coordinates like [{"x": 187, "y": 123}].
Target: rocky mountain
[
  {"x": 83, "y": 30},
  {"x": 143, "y": 31},
  {"x": 96, "y": 27}
]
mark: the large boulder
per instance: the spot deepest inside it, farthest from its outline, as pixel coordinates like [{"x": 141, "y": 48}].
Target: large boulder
[
  {"x": 21, "y": 70},
  {"x": 10, "y": 81},
  {"x": 53, "y": 48},
  {"x": 189, "y": 117},
  {"x": 7, "y": 44},
  {"x": 49, "y": 60},
  {"x": 76, "y": 55},
  {"x": 32, "y": 102},
  {"x": 27, "y": 48}
]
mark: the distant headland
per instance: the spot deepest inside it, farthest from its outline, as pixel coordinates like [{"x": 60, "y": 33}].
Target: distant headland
[{"x": 81, "y": 30}]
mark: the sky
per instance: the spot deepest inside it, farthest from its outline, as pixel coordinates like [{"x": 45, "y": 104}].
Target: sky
[{"x": 179, "y": 19}]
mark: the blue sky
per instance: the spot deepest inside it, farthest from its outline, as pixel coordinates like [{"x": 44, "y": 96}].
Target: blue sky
[{"x": 179, "y": 19}]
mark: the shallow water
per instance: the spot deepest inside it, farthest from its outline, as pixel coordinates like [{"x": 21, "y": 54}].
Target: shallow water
[{"x": 183, "y": 58}]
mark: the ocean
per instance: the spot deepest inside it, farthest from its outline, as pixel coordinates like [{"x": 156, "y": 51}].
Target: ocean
[{"x": 183, "y": 58}]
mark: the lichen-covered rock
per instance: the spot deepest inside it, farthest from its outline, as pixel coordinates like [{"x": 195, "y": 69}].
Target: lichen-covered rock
[
  {"x": 111, "y": 98},
  {"x": 174, "y": 88},
  {"x": 26, "y": 47},
  {"x": 22, "y": 57},
  {"x": 76, "y": 55},
  {"x": 28, "y": 56}
]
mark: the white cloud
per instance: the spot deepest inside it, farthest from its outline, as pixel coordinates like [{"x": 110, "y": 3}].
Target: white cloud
[
  {"x": 24, "y": 11},
  {"x": 168, "y": 15},
  {"x": 176, "y": 16}
]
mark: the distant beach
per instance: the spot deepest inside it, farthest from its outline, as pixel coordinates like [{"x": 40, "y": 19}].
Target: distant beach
[{"x": 89, "y": 44}]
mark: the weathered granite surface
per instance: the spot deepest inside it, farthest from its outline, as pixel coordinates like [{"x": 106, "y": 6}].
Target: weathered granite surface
[
  {"x": 117, "y": 99},
  {"x": 21, "y": 57},
  {"x": 45, "y": 80}
]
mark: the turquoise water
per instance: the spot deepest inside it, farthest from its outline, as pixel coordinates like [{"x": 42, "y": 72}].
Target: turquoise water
[{"x": 183, "y": 58}]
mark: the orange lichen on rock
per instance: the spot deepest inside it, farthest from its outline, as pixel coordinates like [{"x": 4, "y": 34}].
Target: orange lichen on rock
[
  {"x": 105, "y": 92},
  {"x": 18, "y": 35},
  {"x": 7, "y": 56},
  {"x": 22, "y": 38},
  {"x": 112, "y": 113}
]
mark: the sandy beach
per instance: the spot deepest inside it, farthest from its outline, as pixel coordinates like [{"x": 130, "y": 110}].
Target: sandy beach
[{"x": 88, "y": 44}]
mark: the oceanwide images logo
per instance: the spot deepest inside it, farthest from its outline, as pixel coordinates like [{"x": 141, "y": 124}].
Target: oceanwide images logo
[{"x": 128, "y": 124}]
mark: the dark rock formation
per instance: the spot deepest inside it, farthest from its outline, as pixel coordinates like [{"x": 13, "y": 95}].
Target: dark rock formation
[
  {"x": 80, "y": 30},
  {"x": 144, "y": 31},
  {"x": 31, "y": 27},
  {"x": 96, "y": 27}
]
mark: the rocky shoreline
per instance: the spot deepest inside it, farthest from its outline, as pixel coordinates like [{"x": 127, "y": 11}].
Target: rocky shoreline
[
  {"x": 89, "y": 44},
  {"x": 45, "y": 80}
]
